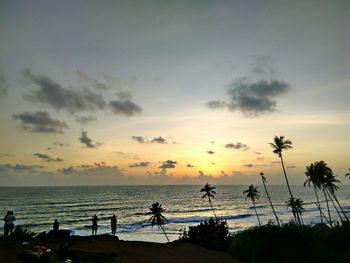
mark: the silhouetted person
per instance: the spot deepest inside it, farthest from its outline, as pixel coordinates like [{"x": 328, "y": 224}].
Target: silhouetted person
[
  {"x": 9, "y": 223},
  {"x": 56, "y": 225},
  {"x": 94, "y": 225},
  {"x": 114, "y": 224}
]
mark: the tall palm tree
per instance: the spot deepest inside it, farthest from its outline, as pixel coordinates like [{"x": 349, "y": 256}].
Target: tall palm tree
[
  {"x": 210, "y": 193},
  {"x": 279, "y": 145},
  {"x": 263, "y": 178},
  {"x": 314, "y": 178},
  {"x": 297, "y": 208},
  {"x": 331, "y": 187},
  {"x": 253, "y": 193},
  {"x": 157, "y": 218}
]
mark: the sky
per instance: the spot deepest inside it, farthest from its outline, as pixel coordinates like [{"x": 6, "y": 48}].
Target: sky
[{"x": 172, "y": 92}]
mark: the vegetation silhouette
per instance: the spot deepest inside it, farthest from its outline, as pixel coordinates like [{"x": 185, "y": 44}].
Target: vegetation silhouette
[
  {"x": 253, "y": 193},
  {"x": 210, "y": 193},
  {"x": 263, "y": 178},
  {"x": 297, "y": 208},
  {"x": 157, "y": 218}
]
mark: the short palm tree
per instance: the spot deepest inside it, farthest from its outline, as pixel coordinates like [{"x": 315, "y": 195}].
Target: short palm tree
[
  {"x": 210, "y": 193},
  {"x": 279, "y": 145},
  {"x": 263, "y": 178},
  {"x": 253, "y": 193},
  {"x": 157, "y": 218},
  {"x": 297, "y": 208}
]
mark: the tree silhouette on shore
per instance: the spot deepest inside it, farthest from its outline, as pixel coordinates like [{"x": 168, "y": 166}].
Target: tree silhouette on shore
[
  {"x": 263, "y": 178},
  {"x": 157, "y": 218},
  {"x": 253, "y": 193},
  {"x": 297, "y": 208},
  {"x": 210, "y": 193}
]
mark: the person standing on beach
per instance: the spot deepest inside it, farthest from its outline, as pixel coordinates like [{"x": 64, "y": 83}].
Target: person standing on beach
[
  {"x": 114, "y": 224},
  {"x": 9, "y": 223},
  {"x": 56, "y": 225},
  {"x": 94, "y": 225}
]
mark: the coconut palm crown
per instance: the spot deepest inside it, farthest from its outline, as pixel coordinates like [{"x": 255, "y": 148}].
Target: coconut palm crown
[
  {"x": 157, "y": 218},
  {"x": 297, "y": 208},
  {"x": 253, "y": 193}
]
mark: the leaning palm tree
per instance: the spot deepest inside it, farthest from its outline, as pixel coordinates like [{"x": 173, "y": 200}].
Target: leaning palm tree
[
  {"x": 253, "y": 193},
  {"x": 263, "y": 178},
  {"x": 297, "y": 208},
  {"x": 315, "y": 179},
  {"x": 278, "y": 146},
  {"x": 210, "y": 193},
  {"x": 157, "y": 218},
  {"x": 331, "y": 187}
]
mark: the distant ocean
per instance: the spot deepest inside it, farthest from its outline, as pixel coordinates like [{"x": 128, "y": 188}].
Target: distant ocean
[{"x": 37, "y": 207}]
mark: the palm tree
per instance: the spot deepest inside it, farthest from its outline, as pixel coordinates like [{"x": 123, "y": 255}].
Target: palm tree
[
  {"x": 331, "y": 187},
  {"x": 297, "y": 208},
  {"x": 263, "y": 178},
  {"x": 314, "y": 178},
  {"x": 210, "y": 193},
  {"x": 279, "y": 145},
  {"x": 253, "y": 193},
  {"x": 157, "y": 218}
]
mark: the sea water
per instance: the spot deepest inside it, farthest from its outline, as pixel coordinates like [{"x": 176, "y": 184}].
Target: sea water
[{"x": 37, "y": 207}]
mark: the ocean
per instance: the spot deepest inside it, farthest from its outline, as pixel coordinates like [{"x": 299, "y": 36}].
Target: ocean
[{"x": 36, "y": 207}]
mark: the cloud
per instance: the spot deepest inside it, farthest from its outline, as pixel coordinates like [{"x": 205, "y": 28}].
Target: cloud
[
  {"x": 252, "y": 98},
  {"x": 47, "y": 157},
  {"x": 19, "y": 168},
  {"x": 125, "y": 107},
  {"x": 168, "y": 164},
  {"x": 60, "y": 144},
  {"x": 249, "y": 165},
  {"x": 140, "y": 164},
  {"x": 68, "y": 170},
  {"x": 189, "y": 165},
  {"x": 139, "y": 139},
  {"x": 40, "y": 121},
  {"x": 291, "y": 167},
  {"x": 85, "y": 119},
  {"x": 59, "y": 98},
  {"x": 210, "y": 152},
  {"x": 237, "y": 146},
  {"x": 84, "y": 139},
  {"x": 159, "y": 139},
  {"x": 86, "y": 81}
]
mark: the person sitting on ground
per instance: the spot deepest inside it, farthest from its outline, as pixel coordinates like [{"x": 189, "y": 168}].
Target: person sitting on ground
[
  {"x": 56, "y": 225},
  {"x": 9, "y": 225},
  {"x": 114, "y": 224},
  {"x": 94, "y": 225}
]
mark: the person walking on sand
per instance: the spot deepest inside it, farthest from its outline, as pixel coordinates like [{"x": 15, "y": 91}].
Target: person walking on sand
[
  {"x": 9, "y": 223},
  {"x": 114, "y": 224},
  {"x": 94, "y": 225},
  {"x": 56, "y": 225}
]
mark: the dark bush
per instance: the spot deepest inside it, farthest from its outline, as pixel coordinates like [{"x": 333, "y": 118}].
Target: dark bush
[
  {"x": 22, "y": 234},
  {"x": 210, "y": 234}
]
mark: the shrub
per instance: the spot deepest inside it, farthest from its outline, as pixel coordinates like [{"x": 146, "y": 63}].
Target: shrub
[
  {"x": 210, "y": 234},
  {"x": 22, "y": 234}
]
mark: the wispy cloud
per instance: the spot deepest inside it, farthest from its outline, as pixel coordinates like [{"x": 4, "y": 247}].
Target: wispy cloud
[
  {"x": 47, "y": 158},
  {"x": 140, "y": 164},
  {"x": 237, "y": 146},
  {"x": 84, "y": 139}
]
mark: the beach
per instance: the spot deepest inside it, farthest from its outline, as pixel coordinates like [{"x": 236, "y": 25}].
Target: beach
[{"x": 106, "y": 248}]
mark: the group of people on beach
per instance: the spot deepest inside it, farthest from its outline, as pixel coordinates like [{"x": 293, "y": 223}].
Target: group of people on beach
[
  {"x": 9, "y": 225},
  {"x": 95, "y": 219},
  {"x": 10, "y": 218}
]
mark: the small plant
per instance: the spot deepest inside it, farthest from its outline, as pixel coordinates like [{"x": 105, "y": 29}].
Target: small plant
[
  {"x": 22, "y": 234},
  {"x": 210, "y": 234}
]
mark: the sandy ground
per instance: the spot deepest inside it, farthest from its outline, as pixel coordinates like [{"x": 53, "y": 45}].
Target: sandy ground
[{"x": 107, "y": 248}]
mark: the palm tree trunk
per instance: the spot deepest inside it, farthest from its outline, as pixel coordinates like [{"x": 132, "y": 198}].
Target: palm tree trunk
[
  {"x": 336, "y": 209},
  {"x": 256, "y": 212},
  {"x": 319, "y": 205},
  {"x": 164, "y": 232},
  {"x": 285, "y": 175},
  {"x": 329, "y": 213},
  {"x": 322, "y": 213},
  {"x": 273, "y": 209},
  {"x": 212, "y": 208},
  {"x": 336, "y": 199}
]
